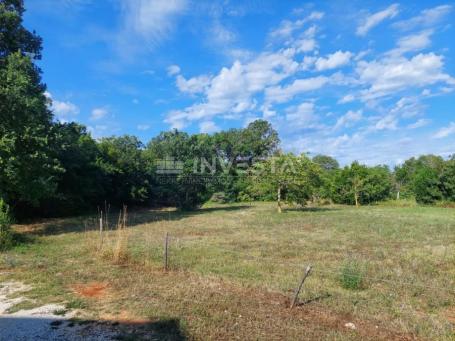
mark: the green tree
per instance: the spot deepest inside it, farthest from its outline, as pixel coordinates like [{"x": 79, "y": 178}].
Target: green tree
[
  {"x": 28, "y": 167},
  {"x": 358, "y": 184},
  {"x": 427, "y": 185},
  {"x": 285, "y": 177},
  {"x": 82, "y": 184},
  {"x": 14, "y": 37},
  {"x": 126, "y": 179},
  {"x": 447, "y": 179},
  {"x": 327, "y": 163}
]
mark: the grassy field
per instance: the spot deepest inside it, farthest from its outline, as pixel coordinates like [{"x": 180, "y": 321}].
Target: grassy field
[{"x": 388, "y": 270}]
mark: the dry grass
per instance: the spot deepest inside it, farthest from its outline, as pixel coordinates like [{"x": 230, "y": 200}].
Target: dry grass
[{"x": 234, "y": 268}]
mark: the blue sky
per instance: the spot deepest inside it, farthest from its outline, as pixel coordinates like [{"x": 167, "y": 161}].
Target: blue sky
[{"x": 372, "y": 81}]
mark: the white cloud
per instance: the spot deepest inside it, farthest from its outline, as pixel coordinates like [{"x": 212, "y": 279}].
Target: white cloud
[
  {"x": 221, "y": 35},
  {"x": 64, "y": 111},
  {"x": 413, "y": 42},
  {"x": 445, "y": 132},
  {"x": 287, "y": 28},
  {"x": 408, "y": 107},
  {"x": 388, "y": 122},
  {"x": 305, "y": 45},
  {"x": 231, "y": 91},
  {"x": 333, "y": 60},
  {"x": 153, "y": 20},
  {"x": 281, "y": 94},
  {"x": 98, "y": 114},
  {"x": 348, "y": 119},
  {"x": 426, "y": 18},
  {"x": 193, "y": 85},
  {"x": 346, "y": 99},
  {"x": 390, "y": 75},
  {"x": 143, "y": 127},
  {"x": 173, "y": 70},
  {"x": 303, "y": 115},
  {"x": 208, "y": 127},
  {"x": 422, "y": 122},
  {"x": 376, "y": 18}
]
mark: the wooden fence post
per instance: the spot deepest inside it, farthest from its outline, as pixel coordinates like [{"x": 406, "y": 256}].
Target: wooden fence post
[
  {"x": 299, "y": 288},
  {"x": 166, "y": 246}
]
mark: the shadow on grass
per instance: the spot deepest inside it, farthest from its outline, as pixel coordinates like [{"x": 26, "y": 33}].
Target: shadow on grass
[
  {"x": 27, "y": 233},
  {"x": 33, "y": 328}
]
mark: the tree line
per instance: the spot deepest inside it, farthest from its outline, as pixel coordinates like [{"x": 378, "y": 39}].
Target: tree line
[{"x": 50, "y": 168}]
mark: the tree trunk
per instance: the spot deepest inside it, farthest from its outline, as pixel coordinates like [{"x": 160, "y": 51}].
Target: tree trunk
[
  {"x": 398, "y": 195},
  {"x": 356, "y": 197},
  {"x": 279, "y": 199}
]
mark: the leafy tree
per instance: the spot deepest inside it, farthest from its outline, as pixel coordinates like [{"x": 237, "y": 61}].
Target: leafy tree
[
  {"x": 447, "y": 179},
  {"x": 357, "y": 184},
  {"x": 427, "y": 185},
  {"x": 28, "y": 168},
  {"x": 125, "y": 170},
  {"x": 82, "y": 185},
  {"x": 291, "y": 178},
  {"x": 327, "y": 163},
  {"x": 14, "y": 37},
  {"x": 405, "y": 175},
  {"x": 184, "y": 188}
]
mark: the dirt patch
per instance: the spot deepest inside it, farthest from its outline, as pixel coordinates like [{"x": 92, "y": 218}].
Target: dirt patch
[
  {"x": 449, "y": 315},
  {"x": 92, "y": 290}
]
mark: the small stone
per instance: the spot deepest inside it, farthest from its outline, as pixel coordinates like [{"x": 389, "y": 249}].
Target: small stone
[{"x": 350, "y": 325}]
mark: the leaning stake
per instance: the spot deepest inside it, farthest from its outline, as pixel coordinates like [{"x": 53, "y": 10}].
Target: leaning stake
[
  {"x": 166, "y": 245},
  {"x": 297, "y": 291}
]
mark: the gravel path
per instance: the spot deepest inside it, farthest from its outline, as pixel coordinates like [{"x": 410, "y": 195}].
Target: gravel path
[{"x": 43, "y": 323}]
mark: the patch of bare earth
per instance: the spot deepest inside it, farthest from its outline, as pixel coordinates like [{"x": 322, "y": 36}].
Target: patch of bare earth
[{"x": 92, "y": 290}]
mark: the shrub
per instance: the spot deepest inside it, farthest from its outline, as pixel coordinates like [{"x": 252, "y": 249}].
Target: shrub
[
  {"x": 6, "y": 235},
  {"x": 352, "y": 276}
]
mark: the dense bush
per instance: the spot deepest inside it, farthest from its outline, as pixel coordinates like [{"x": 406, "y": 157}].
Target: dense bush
[{"x": 6, "y": 236}]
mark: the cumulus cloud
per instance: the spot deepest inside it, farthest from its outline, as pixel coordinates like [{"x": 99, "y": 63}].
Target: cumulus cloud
[
  {"x": 348, "y": 119},
  {"x": 346, "y": 99},
  {"x": 208, "y": 127},
  {"x": 193, "y": 85},
  {"x": 413, "y": 42},
  {"x": 303, "y": 115},
  {"x": 445, "y": 132},
  {"x": 333, "y": 60},
  {"x": 281, "y": 94},
  {"x": 64, "y": 111},
  {"x": 389, "y": 75},
  {"x": 98, "y": 114},
  {"x": 375, "y": 19},
  {"x": 231, "y": 90},
  {"x": 173, "y": 70}
]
